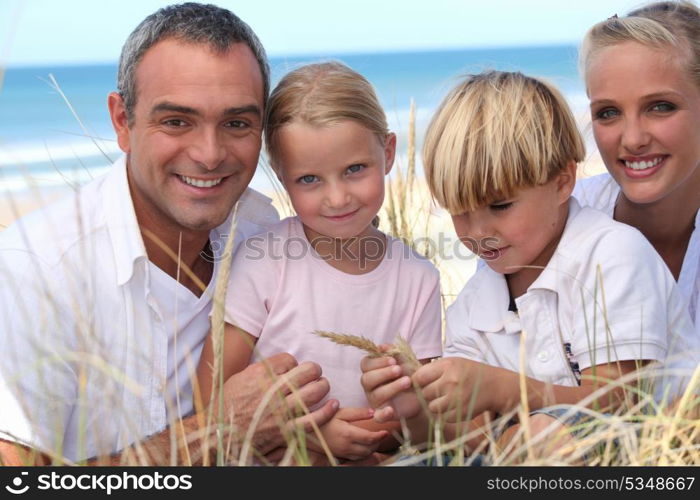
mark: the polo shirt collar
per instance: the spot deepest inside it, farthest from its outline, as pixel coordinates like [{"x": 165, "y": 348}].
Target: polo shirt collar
[
  {"x": 489, "y": 312},
  {"x": 122, "y": 225}
]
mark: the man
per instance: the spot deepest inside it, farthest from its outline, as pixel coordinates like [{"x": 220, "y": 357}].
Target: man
[{"x": 106, "y": 295}]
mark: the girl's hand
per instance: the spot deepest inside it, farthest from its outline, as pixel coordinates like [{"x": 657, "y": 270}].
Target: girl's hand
[
  {"x": 388, "y": 390},
  {"x": 349, "y": 441},
  {"x": 457, "y": 389}
]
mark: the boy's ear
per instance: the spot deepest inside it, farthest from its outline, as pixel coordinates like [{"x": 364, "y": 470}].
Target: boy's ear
[
  {"x": 566, "y": 181},
  {"x": 389, "y": 152}
]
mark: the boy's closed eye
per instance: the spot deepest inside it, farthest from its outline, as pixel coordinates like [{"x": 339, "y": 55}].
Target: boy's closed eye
[{"x": 501, "y": 206}]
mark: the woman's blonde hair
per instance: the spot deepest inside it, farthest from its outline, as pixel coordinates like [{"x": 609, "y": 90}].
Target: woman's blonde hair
[
  {"x": 658, "y": 25},
  {"x": 322, "y": 94},
  {"x": 494, "y": 133}
]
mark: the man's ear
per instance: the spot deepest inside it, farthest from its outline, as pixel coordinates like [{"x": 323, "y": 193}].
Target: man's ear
[
  {"x": 389, "y": 152},
  {"x": 120, "y": 122},
  {"x": 566, "y": 180}
]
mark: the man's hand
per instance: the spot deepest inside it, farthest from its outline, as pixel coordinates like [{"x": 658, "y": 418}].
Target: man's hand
[{"x": 271, "y": 396}]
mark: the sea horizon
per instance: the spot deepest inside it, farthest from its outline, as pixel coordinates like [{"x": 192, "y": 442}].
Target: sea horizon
[{"x": 42, "y": 142}]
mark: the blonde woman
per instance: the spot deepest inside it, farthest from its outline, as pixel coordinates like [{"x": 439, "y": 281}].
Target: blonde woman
[{"x": 642, "y": 75}]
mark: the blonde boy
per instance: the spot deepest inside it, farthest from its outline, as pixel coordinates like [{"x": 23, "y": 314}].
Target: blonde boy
[{"x": 568, "y": 297}]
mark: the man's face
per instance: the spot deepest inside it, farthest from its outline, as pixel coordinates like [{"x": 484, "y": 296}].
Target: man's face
[{"x": 195, "y": 138}]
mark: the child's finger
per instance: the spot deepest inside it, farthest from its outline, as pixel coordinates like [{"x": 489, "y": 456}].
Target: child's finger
[
  {"x": 428, "y": 373},
  {"x": 385, "y": 393},
  {"x": 319, "y": 417},
  {"x": 372, "y": 363},
  {"x": 365, "y": 437},
  {"x": 352, "y": 414},
  {"x": 385, "y": 414},
  {"x": 371, "y": 380}
]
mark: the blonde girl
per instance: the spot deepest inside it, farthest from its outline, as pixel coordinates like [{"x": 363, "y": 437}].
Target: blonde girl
[{"x": 329, "y": 268}]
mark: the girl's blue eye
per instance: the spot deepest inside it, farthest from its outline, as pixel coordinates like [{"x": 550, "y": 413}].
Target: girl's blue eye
[
  {"x": 501, "y": 206},
  {"x": 307, "y": 179},
  {"x": 355, "y": 168},
  {"x": 606, "y": 114}
]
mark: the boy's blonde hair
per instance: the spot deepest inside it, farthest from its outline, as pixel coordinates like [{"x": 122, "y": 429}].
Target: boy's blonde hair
[
  {"x": 658, "y": 25},
  {"x": 322, "y": 94},
  {"x": 494, "y": 133}
]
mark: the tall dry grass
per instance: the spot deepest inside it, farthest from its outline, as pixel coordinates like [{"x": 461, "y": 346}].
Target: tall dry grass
[{"x": 642, "y": 433}]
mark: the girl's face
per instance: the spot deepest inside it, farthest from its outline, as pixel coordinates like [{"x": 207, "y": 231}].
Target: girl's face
[
  {"x": 520, "y": 231},
  {"x": 334, "y": 175},
  {"x": 645, "y": 110}
]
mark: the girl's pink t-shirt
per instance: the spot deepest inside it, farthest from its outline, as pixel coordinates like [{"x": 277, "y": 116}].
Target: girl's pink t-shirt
[{"x": 280, "y": 291}]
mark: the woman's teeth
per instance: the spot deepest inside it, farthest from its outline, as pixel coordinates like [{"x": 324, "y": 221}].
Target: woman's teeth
[{"x": 642, "y": 165}]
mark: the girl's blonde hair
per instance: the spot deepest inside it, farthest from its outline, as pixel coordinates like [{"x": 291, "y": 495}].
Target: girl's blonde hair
[
  {"x": 322, "y": 94},
  {"x": 494, "y": 133},
  {"x": 658, "y": 25}
]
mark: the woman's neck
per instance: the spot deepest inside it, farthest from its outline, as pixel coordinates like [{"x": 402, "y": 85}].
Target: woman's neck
[{"x": 667, "y": 224}]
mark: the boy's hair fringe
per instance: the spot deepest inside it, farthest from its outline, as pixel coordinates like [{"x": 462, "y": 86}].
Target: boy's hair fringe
[{"x": 494, "y": 133}]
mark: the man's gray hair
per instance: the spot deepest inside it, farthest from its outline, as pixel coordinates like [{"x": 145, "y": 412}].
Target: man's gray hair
[{"x": 190, "y": 22}]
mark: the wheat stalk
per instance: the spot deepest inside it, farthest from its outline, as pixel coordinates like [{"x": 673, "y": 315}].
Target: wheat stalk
[{"x": 401, "y": 349}]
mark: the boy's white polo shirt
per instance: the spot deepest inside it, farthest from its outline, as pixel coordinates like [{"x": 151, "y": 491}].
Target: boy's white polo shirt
[{"x": 605, "y": 291}]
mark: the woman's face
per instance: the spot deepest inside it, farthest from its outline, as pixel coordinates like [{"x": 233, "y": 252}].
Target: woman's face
[{"x": 645, "y": 110}]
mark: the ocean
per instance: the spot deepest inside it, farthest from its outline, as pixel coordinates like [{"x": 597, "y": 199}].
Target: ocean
[{"x": 55, "y": 129}]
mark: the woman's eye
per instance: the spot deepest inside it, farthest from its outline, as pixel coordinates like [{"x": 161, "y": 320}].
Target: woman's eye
[
  {"x": 663, "y": 107},
  {"x": 498, "y": 207},
  {"x": 355, "y": 168},
  {"x": 307, "y": 179},
  {"x": 606, "y": 113}
]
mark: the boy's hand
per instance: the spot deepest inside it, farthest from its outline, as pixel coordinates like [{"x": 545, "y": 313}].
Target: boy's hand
[
  {"x": 349, "y": 441},
  {"x": 455, "y": 388},
  {"x": 388, "y": 390}
]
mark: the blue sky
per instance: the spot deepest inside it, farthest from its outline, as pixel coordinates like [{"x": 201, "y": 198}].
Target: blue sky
[{"x": 86, "y": 31}]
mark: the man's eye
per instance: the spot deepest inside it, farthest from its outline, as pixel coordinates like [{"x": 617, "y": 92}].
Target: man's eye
[
  {"x": 307, "y": 179},
  {"x": 498, "y": 207},
  {"x": 353, "y": 169},
  {"x": 175, "y": 122},
  {"x": 236, "y": 124}
]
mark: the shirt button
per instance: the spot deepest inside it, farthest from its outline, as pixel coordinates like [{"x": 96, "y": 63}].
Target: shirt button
[{"x": 543, "y": 356}]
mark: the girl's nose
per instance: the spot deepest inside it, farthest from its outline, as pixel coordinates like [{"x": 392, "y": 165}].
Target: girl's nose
[{"x": 337, "y": 196}]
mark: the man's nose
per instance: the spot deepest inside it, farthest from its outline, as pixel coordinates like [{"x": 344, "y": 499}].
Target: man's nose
[{"x": 208, "y": 149}]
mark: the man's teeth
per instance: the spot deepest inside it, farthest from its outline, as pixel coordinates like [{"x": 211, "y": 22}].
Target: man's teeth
[
  {"x": 200, "y": 183},
  {"x": 641, "y": 165}
]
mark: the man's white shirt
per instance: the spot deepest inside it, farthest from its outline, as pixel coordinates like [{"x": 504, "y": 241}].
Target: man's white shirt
[{"x": 95, "y": 344}]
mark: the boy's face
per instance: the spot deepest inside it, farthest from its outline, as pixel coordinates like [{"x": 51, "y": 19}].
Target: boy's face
[{"x": 523, "y": 230}]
